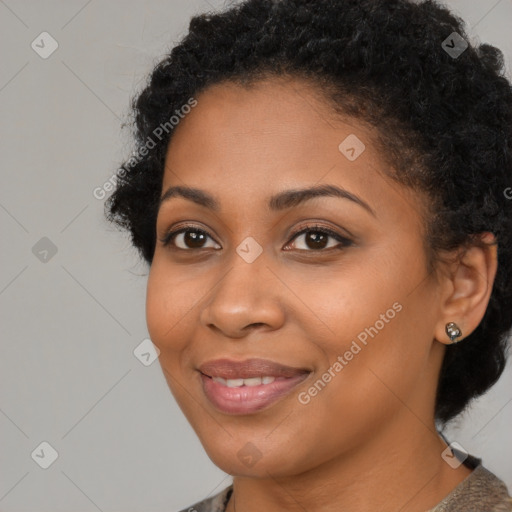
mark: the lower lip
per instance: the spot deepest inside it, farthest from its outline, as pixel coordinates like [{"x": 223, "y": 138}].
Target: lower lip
[{"x": 248, "y": 399}]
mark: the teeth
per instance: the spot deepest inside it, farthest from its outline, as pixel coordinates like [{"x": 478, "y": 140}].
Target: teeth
[
  {"x": 236, "y": 383},
  {"x": 254, "y": 381}
]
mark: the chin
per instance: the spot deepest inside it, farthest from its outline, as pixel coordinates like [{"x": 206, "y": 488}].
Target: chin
[
  {"x": 231, "y": 463},
  {"x": 254, "y": 459}
]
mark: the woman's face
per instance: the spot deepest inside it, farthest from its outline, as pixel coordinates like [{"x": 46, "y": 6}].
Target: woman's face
[{"x": 353, "y": 312}]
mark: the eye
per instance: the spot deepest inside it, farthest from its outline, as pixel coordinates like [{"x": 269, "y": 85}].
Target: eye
[
  {"x": 188, "y": 238},
  {"x": 316, "y": 238}
]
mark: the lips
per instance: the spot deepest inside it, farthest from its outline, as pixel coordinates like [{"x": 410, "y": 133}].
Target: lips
[
  {"x": 249, "y": 368},
  {"x": 249, "y": 386}
]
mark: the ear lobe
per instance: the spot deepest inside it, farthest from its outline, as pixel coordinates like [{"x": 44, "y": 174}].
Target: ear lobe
[{"x": 471, "y": 280}]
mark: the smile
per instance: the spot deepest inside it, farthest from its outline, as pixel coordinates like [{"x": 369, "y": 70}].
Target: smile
[{"x": 248, "y": 386}]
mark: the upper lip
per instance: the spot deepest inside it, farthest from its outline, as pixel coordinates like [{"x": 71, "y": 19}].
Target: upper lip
[{"x": 229, "y": 369}]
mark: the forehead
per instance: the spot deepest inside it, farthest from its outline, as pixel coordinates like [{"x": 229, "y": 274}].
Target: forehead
[
  {"x": 271, "y": 126},
  {"x": 245, "y": 144}
]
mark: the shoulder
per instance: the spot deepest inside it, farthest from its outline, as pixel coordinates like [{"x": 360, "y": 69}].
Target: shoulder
[
  {"x": 481, "y": 490},
  {"x": 486, "y": 486},
  {"x": 216, "y": 503}
]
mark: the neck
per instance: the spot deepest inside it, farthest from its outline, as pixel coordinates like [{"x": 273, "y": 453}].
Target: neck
[{"x": 401, "y": 470}]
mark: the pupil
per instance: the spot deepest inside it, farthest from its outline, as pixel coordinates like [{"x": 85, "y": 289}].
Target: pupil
[
  {"x": 318, "y": 239},
  {"x": 194, "y": 239}
]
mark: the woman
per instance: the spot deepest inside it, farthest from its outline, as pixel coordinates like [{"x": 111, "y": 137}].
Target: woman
[{"x": 320, "y": 190}]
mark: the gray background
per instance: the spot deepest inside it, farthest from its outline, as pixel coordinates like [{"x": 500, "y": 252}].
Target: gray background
[{"x": 70, "y": 324}]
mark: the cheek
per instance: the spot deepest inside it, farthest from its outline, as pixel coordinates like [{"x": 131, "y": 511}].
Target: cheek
[
  {"x": 167, "y": 303},
  {"x": 168, "y": 309},
  {"x": 375, "y": 338},
  {"x": 361, "y": 387}
]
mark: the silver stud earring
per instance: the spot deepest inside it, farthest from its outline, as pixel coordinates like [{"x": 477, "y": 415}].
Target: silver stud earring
[{"x": 453, "y": 331}]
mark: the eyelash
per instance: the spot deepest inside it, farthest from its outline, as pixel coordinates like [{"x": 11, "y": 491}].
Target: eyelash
[{"x": 343, "y": 241}]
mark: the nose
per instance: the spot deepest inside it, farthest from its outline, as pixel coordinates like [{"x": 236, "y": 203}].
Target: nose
[{"x": 246, "y": 297}]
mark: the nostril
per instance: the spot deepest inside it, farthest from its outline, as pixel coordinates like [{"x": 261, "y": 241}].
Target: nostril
[{"x": 258, "y": 324}]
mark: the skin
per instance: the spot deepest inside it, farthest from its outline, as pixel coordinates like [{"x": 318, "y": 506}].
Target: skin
[{"x": 367, "y": 440}]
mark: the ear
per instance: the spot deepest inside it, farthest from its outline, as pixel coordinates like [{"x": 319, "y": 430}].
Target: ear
[{"x": 467, "y": 285}]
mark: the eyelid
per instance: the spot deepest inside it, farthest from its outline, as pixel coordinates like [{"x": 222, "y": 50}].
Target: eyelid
[
  {"x": 172, "y": 233},
  {"x": 343, "y": 241},
  {"x": 313, "y": 225}
]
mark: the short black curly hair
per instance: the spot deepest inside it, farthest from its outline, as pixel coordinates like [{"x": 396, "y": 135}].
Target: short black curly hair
[{"x": 445, "y": 121}]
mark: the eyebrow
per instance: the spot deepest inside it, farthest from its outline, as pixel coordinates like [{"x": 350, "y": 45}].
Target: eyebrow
[{"x": 278, "y": 202}]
